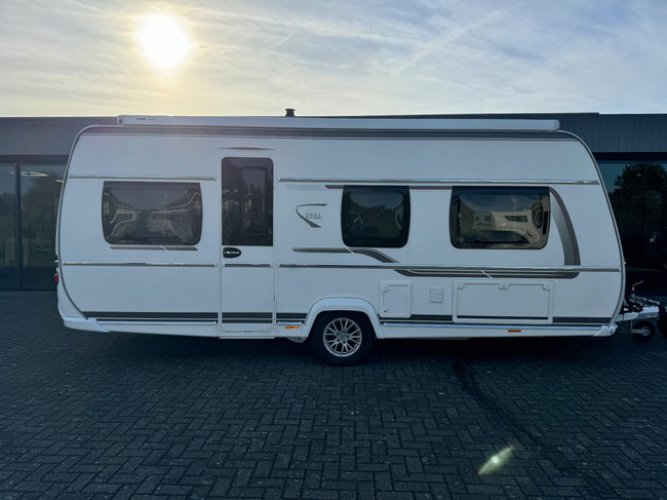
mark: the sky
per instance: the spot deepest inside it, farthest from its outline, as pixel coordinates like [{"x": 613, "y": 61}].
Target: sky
[{"x": 339, "y": 57}]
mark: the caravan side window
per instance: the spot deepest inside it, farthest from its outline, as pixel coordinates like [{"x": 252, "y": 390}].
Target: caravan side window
[
  {"x": 499, "y": 217},
  {"x": 151, "y": 213},
  {"x": 247, "y": 201},
  {"x": 375, "y": 216}
]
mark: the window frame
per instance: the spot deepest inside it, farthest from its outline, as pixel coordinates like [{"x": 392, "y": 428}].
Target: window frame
[
  {"x": 356, "y": 242},
  {"x": 454, "y": 211},
  {"x": 107, "y": 185}
]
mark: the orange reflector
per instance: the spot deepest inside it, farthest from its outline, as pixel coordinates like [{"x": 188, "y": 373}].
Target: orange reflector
[
  {"x": 292, "y": 327},
  {"x": 514, "y": 330}
]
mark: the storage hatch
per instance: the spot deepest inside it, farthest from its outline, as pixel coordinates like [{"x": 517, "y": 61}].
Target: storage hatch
[{"x": 502, "y": 301}]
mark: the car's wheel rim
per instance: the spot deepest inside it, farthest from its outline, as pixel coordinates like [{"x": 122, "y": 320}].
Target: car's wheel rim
[{"x": 342, "y": 337}]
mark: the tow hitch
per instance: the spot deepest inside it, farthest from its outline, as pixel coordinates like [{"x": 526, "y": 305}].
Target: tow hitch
[{"x": 645, "y": 316}]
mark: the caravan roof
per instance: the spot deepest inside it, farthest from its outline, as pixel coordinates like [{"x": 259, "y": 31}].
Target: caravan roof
[{"x": 344, "y": 123}]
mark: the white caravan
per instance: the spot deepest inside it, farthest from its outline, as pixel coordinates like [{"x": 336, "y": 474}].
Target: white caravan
[{"x": 340, "y": 231}]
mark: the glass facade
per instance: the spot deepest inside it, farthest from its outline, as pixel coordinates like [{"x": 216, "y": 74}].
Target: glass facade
[
  {"x": 8, "y": 241},
  {"x": 638, "y": 195},
  {"x": 28, "y": 223},
  {"x": 30, "y": 192}
]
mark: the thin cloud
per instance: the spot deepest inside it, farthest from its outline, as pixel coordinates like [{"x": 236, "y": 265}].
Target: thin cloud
[{"x": 257, "y": 57}]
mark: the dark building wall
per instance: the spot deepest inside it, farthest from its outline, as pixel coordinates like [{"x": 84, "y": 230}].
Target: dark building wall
[
  {"x": 42, "y": 137},
  {"x": 619, "y": 134},
  {"x": 631, "y": 150},
  {"x": 604, "y": 134}
]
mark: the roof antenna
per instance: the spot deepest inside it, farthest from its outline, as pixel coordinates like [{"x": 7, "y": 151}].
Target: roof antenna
[{"x": 289, "y": 112}]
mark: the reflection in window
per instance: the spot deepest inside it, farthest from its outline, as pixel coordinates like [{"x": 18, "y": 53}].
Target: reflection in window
[
  {"x": 152, "y": 213},
  {"x": 375, "y": 216},
  {"x": 247, "y": 201},
  {"x": 490, "y": 217},
  {"x": 638, "y": 195},
  {"x": 40, "y": 192},
  {"x": 8, "y": 246}
]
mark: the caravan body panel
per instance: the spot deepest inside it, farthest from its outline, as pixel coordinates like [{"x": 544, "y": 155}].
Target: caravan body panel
[{"x": 545, "y": 261}]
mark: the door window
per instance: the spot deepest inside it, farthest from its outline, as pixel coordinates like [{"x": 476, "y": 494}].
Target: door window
[{"x": 247, "y": 201}]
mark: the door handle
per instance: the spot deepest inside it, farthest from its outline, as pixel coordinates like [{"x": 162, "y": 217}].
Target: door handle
[{"x": 230, "y": 252}]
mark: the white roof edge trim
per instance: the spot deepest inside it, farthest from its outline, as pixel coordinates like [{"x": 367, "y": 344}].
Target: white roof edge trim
[{"x": 477, "y": 124}]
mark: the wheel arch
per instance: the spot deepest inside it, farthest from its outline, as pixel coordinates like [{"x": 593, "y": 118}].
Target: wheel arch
[{"x": 344, "y": 304}]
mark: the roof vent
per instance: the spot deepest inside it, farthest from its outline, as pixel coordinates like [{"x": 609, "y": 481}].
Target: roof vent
[{"x": 289, "y": 112}]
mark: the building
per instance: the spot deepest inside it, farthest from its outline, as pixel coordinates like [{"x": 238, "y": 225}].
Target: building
[{"x": 630, "y": 149}]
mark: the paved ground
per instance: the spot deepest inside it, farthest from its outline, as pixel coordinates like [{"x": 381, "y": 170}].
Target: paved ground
[{"x": 95, "y": 415}]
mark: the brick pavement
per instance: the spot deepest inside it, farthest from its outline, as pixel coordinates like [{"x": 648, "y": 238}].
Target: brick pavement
[{"x": 86, "y": 415}]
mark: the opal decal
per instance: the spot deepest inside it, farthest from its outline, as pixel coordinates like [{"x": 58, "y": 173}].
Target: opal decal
[{"x": 310, "y": 213}]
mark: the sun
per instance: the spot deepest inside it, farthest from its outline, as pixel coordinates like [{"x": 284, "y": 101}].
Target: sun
[{"x": 163, "y": 40}]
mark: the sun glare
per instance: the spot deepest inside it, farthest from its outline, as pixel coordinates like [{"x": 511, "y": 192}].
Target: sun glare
[{"x": 164, "y": 41}]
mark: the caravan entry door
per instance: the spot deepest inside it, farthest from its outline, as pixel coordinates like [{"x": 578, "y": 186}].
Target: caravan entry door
[{"x": 247, "y": 268}]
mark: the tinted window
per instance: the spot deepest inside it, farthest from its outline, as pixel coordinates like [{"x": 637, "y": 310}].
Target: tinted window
[
  {"x": 499, "y": 217},
  {"x": 40, "y": 192},
  {"x": 247, "y": 201},
  {"x": 638, "y": 195},
  {"x": 375, "y": 216},
  {"x": 9, "y": 250},
  {"x": 151, "y": 213}
]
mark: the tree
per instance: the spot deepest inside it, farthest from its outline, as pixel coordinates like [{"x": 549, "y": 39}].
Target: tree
[{"x": 639, "y": 199}]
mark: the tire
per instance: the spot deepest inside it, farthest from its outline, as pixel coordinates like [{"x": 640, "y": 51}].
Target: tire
[{"x": 342, "y": 338}]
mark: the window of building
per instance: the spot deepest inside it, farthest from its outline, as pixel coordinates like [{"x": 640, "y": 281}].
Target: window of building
[
  {"x": 40, "y": 193},
  {"x": 638, "y": 194},
  {"x": 9, "y": 248},
  {"x": 247, "y": 201},
  {"x": 29, "y": 194},
  {"x": 152, "y": 213},
  {"x": 375, "y": 216},
  {"x": 499, "y": 217}
]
